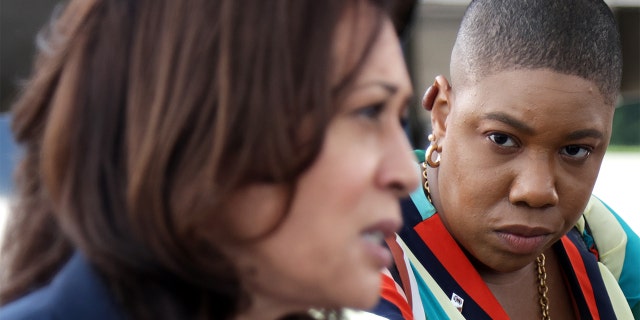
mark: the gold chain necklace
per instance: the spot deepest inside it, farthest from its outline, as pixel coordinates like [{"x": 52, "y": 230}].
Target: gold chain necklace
[
  {"x": 540, "y": 260},
  {"x": 542, "y": 287},
  {"x": 426, "y": 182}
]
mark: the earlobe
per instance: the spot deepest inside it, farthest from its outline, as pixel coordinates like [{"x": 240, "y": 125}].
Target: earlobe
[{"x": 438, "y": 100}]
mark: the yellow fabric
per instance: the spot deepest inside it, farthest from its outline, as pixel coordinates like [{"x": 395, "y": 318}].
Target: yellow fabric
[
  {"x": 610, "y": 238},
  {"x": 618, "y": 301}
]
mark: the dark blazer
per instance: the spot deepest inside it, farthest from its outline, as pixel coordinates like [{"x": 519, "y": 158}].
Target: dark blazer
[{"x": 76, "y": 292}]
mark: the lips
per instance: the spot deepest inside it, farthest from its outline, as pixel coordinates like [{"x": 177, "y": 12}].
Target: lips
[
  {"x": 373, "y": 240},
  {"x": 523, "y": 239}
]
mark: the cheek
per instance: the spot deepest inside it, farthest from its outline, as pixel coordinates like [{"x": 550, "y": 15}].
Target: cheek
[
  {"x": 321, "y": 249},
  {"x": 471, "y": 184},
  {"x": 574, "y": 200},
  {"x": 314, "y": 259},
  {"x": 461, "y": 176},
  {"x": 252, "y": 211},
  {"x": 315, "y": 254},
  {"x": 575, "y": 188}
]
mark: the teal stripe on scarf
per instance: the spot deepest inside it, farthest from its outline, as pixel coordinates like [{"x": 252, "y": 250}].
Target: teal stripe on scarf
[
  {"x": 430, "y": 303},
  {"x": 418, "y": 197}
]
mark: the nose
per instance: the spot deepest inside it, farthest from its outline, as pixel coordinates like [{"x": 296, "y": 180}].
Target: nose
[
  {"x": 399, "y": 171},
  {"x": 535, "y": 184}
]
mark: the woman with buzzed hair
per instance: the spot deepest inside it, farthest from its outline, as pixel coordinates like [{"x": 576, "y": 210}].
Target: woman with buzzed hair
[{"x": 504, "y": 225}]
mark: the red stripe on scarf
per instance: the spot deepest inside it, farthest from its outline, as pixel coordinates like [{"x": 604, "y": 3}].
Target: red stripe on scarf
[
  {"x": 581, "y": 274},
  {"x": 437, "y": 238},
  {"x": 390, "y": 293}
]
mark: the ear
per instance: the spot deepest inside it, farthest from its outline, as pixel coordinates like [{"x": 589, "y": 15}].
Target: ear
[{"x": 437, "y": 99}]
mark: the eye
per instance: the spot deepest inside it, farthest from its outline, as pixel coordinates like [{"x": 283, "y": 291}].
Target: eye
[
  {"x": 404, "y": 117},
  {"x": 371, "y": 112},
  {"x": 502, "y": 140},
  {"x": 576, "y": 152},
  {"x": 404, "y": 121}
]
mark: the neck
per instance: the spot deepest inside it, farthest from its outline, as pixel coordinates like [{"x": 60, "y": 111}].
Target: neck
[
  {"x": 495, "y": 278},
  {"x": 265, "y": 307},
  {"x": 262, "y": 312}
]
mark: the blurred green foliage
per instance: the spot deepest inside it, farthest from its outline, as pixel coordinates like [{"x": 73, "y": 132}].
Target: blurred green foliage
[{"x": 626, "y": 125}]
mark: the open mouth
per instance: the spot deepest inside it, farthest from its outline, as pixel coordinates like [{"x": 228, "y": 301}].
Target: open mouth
[
  {"x": 375, "y": 237},
  {"x": 373, "y": 240}
]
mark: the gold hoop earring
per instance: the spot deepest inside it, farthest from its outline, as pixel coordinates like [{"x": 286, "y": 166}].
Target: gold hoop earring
[{"x": 428, "y": 157}]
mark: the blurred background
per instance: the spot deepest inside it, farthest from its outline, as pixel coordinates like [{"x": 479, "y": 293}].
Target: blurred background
[{"x": 428, "y": 29}]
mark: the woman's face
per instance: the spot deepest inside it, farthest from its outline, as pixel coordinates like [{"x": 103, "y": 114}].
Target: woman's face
[
  {"x": 328, "y": 252},
  {"x": 520, "y": 155}
]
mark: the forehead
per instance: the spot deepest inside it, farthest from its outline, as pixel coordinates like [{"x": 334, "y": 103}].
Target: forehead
[
  {"x": 541, "y": 85},
  {"x": 534, "y": 94}
]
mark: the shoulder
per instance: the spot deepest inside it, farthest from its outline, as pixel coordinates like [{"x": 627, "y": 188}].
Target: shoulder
[
  {"x": 36, "y": 305},
  {"x": 76, "y": 292},
  {"x": 618, "y": 247},
  {"x": 614, "y": 239}
]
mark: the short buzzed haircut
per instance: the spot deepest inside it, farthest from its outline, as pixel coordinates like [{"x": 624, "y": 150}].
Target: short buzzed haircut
[{"x": 574, "y": 37}]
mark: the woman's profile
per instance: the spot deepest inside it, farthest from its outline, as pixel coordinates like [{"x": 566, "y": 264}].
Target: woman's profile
[{"x": 205, "y": 159}]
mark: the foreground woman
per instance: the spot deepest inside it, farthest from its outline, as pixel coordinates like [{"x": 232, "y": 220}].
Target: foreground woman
[{"x": 202, "y": 159}]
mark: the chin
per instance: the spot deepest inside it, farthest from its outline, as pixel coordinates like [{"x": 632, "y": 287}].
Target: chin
[
  {"x": 364, "y": 296},
  {"x": 515, "y": 264}
]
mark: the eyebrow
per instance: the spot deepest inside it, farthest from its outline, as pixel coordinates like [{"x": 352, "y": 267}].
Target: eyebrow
[
  {"x": 511, "y": 121},
  {"x": 519, "y": 125},
  {"x": 586, "y": 133},
  {"x": 390, "y": 88}
]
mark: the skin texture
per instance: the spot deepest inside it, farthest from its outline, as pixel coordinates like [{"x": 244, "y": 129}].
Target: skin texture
[
  {"x": 320, "y": 253},
  {"x": 528, "y": 145}
]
